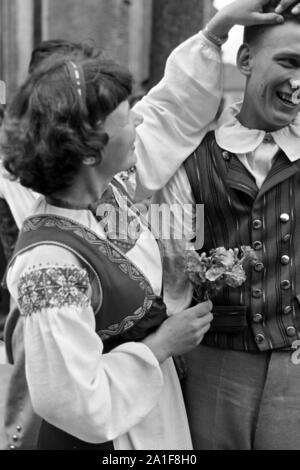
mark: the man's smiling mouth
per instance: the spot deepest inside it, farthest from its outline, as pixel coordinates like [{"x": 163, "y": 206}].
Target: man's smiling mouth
[{"x": 286, "y": 98}]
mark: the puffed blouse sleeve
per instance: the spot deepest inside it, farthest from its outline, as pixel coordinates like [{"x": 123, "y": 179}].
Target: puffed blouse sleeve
[
  {"x": 177, "y": 112},
  {"x": 74, "y": 386}
]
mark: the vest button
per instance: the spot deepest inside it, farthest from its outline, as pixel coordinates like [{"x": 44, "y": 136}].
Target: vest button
[
  {"x": 258, "y": 267},
  {"x": 285, "y": 285},
  {"x": 285, "y": 259},
  {"x": 257, "y": 318},
  {"x": 284, "y": 218},
  {"x": 287, "y": 310},
  {"x": 15, "y": 438},
  {"x": 12, "y": 447},
  {"x": 19, "y": 428},
  {"x": 291, "y": 331},
  {"x": 259, "y": 338},
  {"x": 257, "y": 246},
  {"x": 257, "y": 293},
  {"x": 226, "y": 155},
  {"x": 286, "y": 238},
  {"x": 256, "y": 224}
]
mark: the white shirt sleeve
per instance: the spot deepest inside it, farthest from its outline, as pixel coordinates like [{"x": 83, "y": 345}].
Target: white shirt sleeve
[
  {"x": 177, "y": 112},
  {"x": 73, "y": 385},
  {"x": 20, "y": 199},
  {"x": 176, "y": 227}
]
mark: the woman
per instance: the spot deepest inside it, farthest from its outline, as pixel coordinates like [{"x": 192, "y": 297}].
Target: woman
[{"x": 97, "y": 338}]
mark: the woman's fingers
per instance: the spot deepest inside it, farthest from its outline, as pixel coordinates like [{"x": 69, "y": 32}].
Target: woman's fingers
[
  {"x": 284, "y": 4},
  {"x": 199, "y": 310},
  {"x": 296, "y": 9},
  {"x": 267, "y": 18}
]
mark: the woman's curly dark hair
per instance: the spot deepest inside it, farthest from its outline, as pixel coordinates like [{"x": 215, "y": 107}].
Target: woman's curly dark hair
[
  {"x": 50, "y": 127},
  {"x": 62, "y": 47}
]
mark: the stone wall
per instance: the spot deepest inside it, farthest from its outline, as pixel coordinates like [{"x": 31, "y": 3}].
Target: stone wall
[
  {"x": 121, "y": 27},
  {"x": 110, "y": 24},
  {"x": 104, "y": 22},
  {"x": 137, "y": 33},
  {"x": 16, "y": 42},
  {"x": 173, "y": 22}
]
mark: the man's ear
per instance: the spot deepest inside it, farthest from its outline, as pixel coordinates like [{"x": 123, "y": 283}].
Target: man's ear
[{"x": 244, "y": 60}]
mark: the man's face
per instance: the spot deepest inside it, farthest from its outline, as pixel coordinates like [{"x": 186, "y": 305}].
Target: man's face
[{"x": 275, "y": 62}]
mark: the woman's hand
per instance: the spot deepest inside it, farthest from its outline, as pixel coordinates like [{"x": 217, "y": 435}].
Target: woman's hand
[
  {"x": 285, "y": 4},
  {"x": 181, "y": 332},
  {"x": 245, "y": 13}
]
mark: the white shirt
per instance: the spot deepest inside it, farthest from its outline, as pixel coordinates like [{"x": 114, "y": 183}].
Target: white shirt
[
  {"x": 256, "y": 148},
  {"x": 255, "y": 152},
  {"x": 176, "y": 112}
]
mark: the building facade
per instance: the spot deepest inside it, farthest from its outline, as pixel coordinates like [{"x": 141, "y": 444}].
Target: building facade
[{"x": 137, "y": 33}]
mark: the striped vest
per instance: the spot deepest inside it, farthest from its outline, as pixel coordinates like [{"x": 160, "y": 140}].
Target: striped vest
[{"x": 268, "y": 219}]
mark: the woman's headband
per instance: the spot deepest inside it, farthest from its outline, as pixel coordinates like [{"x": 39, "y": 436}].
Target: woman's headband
[{"x": 77, "y": 77}]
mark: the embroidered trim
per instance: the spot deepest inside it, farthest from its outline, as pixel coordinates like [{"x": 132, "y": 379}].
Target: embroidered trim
[
  {"x": 104, "y": 246},
  {"x": 68, "y": 248},
  {"x": 127, "y": 322},
  {"x": 52, "y": 287}
]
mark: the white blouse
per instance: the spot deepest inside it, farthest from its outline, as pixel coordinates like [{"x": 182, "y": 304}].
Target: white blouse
[{"x": 125, "y": 395}]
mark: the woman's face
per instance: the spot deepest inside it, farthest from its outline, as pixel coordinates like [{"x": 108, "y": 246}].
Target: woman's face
[{"x": 119, "y": 153}]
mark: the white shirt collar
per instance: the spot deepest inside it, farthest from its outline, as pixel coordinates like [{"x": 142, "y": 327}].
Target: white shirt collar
[{"x": 235, "y": 138}]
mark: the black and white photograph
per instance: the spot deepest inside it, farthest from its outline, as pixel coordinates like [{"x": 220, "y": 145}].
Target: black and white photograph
[{"x": 149, "y": 246}]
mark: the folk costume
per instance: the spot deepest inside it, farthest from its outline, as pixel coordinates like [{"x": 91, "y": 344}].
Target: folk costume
[
  {"x": 241, "y": 389},
  {"x": 87, "y": 301}
]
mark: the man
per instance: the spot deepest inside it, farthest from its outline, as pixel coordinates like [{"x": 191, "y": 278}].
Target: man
[{"x": 242, "y": 385}]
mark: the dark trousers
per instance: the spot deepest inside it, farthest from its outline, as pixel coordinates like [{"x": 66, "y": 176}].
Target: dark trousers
[
  {"x": 52, "y": 438},
  {"x": 242, "y": 400}
]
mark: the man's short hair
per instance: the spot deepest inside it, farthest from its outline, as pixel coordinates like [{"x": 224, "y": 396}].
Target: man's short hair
[{"x": 253, "y": 34}]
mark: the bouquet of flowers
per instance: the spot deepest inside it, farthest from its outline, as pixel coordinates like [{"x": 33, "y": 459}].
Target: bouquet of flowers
[{"x": 221, "y": 267}]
